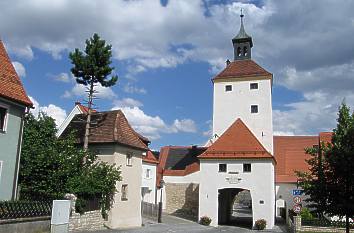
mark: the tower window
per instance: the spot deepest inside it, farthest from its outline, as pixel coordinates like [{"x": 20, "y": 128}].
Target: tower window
[
  {"x": 239, "y": 51},
  {"x": 245, "y": 51},
  {"x": 253, "y": 86},
  {"x": 254, "y": 108},
  {"x": 246, "y": 167},
  {"x": 222, "y": 167},
  {"x": 228, "y": 88}
]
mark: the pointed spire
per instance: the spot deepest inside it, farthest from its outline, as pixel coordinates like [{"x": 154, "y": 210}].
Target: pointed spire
[
  {"x": 242, "y": 43},
  {"x": 242, "y": 33}
]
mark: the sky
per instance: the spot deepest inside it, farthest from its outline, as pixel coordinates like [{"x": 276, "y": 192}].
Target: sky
[{"x": 166, "y": 52}]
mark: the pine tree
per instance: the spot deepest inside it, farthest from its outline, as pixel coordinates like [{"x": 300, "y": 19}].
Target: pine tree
[{"x": 92, "y": 67}]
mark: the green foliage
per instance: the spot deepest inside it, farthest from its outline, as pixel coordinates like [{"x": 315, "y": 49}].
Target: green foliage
[
  {"x": 52, "y": 167},
  {"x": 205, "y": 220},
  {"x": 330, "y": 182},
  {"x": 306, "y": 214},
  {"x": 260, "y": 224},
  {"x": 93, "y": 65}
]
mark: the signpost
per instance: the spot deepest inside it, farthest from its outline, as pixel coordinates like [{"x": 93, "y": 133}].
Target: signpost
[
  {"x": 297, "y": 192},
  {"x": 297, "y": 209},
  {"x": 297, "y": 200}
]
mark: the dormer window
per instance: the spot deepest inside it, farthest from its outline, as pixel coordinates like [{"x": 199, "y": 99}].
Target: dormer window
[
  {"x": 245, "y": 51},
  {"x": 239, "y": 51}
]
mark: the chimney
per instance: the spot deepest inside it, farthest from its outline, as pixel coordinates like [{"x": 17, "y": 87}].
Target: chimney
[{"x": 228, "y": 62}]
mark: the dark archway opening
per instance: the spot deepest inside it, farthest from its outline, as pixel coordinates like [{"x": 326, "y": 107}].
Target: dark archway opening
[{"x": 235, "y": 207}]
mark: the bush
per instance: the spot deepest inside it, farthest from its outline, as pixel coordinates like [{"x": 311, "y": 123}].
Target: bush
[
  {"x": 260, "y": 224},
  {"x": 205, "y": 220},
  {"x": 306, "y": 214}
]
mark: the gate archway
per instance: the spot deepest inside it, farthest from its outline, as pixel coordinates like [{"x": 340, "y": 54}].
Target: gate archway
[{"x": 235, "y": 207}]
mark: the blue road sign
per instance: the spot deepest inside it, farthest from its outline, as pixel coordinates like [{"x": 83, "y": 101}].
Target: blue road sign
[{"x": 297, "y": 192}]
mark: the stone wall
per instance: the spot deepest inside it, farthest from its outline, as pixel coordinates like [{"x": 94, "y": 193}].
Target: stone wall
[
  {"x": 89, "y": 221},
  {"x": 299, "y": 228},
  {"x": 182, "y": 199}
]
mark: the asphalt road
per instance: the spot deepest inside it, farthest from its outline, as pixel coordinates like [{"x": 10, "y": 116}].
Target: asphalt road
[{"x": 173, "y": 224}]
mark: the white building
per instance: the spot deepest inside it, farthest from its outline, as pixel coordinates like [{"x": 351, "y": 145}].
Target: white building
[
  {"x": 148, "y": 182},
  {"x": 244, "y": 173},
  {"x": 115, "y": 142}
]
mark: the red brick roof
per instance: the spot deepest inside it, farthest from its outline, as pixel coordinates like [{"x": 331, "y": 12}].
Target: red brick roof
[
  {"x": 237, "y": 142},
  {"x": 289, "y": 152},
  {"x": 106, "y": 127},
  {"x": 150, "y": 158},
  {"x": 10, "y": 84},
  {"x": 241, "y": 69}
]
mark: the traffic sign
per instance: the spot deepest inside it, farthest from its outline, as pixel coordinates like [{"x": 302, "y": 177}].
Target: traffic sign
[
  {"x": 297, "y": 192},
  {"x": 297, "y": 200},
  {"x": 297, "y": 208}
]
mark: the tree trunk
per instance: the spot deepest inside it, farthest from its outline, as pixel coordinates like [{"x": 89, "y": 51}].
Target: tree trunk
[
  {"x": 347, "y": 223},
  {"x": 88, "y": 120}
]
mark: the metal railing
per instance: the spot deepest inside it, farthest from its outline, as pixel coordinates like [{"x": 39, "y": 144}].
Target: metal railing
[
  {"x": 149, "y": 210},
  {"x": 24, "y": 209}
]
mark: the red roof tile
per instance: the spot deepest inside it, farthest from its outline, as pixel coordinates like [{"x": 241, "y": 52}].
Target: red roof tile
[
  {"x": 289, "y": 152},
  {"x": 106, "y": 127},
  {"x": 237, "y": 142},
  {"x": 241, "y": 69},
  {"x": 10, "y": 84},
  {"x": 150, "y": 158}
]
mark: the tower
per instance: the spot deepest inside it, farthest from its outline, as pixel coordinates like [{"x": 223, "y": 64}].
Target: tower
[{"x": 244, "y": 90}]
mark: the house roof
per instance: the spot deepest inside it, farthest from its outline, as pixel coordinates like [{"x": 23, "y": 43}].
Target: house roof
[
  {"x": 242, "y": 69},
  {"x": 83, "y": 108},
  {"x": 237, "y": 142},
  {"x": 289, "y": 152},
  {"x": 150, "y": 158},
  {"x": 10, "y": 83},
  {"x": 106, "y": 127}
]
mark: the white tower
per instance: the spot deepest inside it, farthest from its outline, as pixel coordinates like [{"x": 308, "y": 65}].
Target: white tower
[{"x": 244, "y": 90}]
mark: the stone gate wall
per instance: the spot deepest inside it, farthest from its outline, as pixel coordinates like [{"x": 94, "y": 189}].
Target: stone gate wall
[{"x": 182, "y": 199}]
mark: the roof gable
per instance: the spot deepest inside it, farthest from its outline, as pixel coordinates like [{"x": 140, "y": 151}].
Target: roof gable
[
  {"x": 150, "y": 158},
  {"x": 10, "y": 83},
  {"x": 237, "y": 142},
  {"x": 242, "y": 69}
]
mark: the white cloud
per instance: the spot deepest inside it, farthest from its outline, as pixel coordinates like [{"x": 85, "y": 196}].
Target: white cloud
[
  {"x": 62, "y": 77},
  {"x": 80, "y": 91},
  {"x": 20, "y": 69},
  {"x": 151, "y": 126},
  {"x": 51, "y": 110},
  {"x": 129, "y": 88}
]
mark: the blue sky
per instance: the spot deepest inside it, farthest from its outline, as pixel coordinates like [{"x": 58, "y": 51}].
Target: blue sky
[{"x": 165, "y": 54}]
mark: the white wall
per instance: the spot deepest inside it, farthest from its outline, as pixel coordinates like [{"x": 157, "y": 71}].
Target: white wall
[
  {"x": 149, "y": 182},
  {"x": 124, "y": 213},
  {"x": 260, "y": 183},
  {"x": 62, "y": 127},
  {"x": 228, "y": 106},
  {"x": 190, "y": 178}
]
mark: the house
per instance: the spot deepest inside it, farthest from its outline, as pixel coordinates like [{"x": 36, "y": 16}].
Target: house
[
  {"x": 14, "y": 104},
  {"x": 116, "y": 142},
  {"x": 244, "y": 173},
  {"x": 148, "y": 182}
]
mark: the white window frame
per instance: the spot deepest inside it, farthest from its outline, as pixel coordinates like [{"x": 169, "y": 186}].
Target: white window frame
[
  {"x": 244, "y": 170},
  {"x": 1, "y": 165},
  {"x": 257, "y": 108},
  {"x": 219, "y": 170},
  {"x": 254, "y": 84},
  {"x": 129, "y": 159},
  {"x": 124, "y": 196},
  {"x": 6, "y": 107},
  {"x": 226, "y": 86},
  {"x": 148, "y": 173}
]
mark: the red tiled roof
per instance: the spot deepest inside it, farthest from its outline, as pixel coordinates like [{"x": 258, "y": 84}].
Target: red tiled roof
[
  {"x": 83, "y": 108},
  {"x": 289, "y": 152},
  {"x": 106, "y": 127},
  {"x": 10, "y": 84},
  {"x": 241, "y": 69},
  {"x": 237, "y": 142},
  {"x": 150, "y": 158}
]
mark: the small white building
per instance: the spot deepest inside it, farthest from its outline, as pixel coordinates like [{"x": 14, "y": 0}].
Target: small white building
[
  {"x": 116, "y": 142},
  {"x": 148, "y": 183}
]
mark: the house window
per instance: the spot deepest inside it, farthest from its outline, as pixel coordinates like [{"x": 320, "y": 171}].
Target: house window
[
  {"x": 246, "y": 167},
  {"x": 253, "y": 86},
  {"x": 3, "y": 119},
  {"x": 228, "y": 88},
  {"x": 129, "y": 159},
  {"x": 254, "y": 108},
  {"x": 148, "y": 173},
  {"x": 222, "y": 167},
  {"x": 124, "y": 192},
  {"x": 1, "y": 164}
]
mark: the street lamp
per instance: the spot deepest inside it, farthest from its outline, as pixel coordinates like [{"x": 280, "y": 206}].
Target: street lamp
[{"x": 162, "y": 183}]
